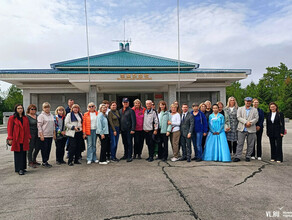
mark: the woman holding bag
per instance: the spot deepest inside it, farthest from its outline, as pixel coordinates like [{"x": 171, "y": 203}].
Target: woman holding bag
[{"x": 19, "y": 137}]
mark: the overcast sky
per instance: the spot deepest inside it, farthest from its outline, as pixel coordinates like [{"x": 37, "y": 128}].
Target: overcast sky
[{"x": 250, "y": 34}]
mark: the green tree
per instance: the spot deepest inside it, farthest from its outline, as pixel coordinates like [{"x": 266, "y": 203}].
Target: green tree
[
  {"x": 236, "y": 91},
  {"x": 287, "y": 109},
  {"x": 14, "y": 96}
]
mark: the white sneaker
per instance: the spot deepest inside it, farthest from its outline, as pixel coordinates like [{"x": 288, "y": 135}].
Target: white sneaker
[
  {"x": 96, "y": 161},
  {"x": 253, "y": 158},
  {"x": 103, "y": 163},
  {"x": 88, "y": 162},
  {"x": 259, "y": 158},
  {"x": 174, "y": 159},
  {"x": 108, "y": 161}
]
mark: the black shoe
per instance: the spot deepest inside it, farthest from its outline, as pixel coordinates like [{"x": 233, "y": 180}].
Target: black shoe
[
  {"x": 25, "y": 170},
  {"x": 46, "y": 165},
  {"x": 123, "y": 158},
  {"x": 195, "y": 158},
  {"x": 147, "y": 158},
  {"x": 198, "y": 160},
  {"x": 164, "y": 159},
  {"x": 182, "y": 158},
  {"x": 247, "y": 159},
  {"x": 236, "y": 160},
  {"x": 129, "y": 159},
  {"x": 70, "y": 164},
  {"x": 139, "y": 157},
  {"x": 77, "y": 162},
  {"x": 189, "y": 160},
  {"x": 150, "y": 159},
  {"x": 58, "y": 163},
  {"x": 36, "y": 163},
  {"x": 21, "y": 172},
  {"x": 63, "y": 162}
]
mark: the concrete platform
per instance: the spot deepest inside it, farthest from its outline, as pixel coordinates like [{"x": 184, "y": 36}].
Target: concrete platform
[{"x": 143, "y": 190}]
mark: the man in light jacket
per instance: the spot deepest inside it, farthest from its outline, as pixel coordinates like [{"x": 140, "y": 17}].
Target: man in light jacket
[
  {"x": 150, "y": 127},
  {"x": 247, "y": 118}
]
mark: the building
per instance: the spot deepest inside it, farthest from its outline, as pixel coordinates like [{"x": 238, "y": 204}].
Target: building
[{"x": 122, "y": 73}]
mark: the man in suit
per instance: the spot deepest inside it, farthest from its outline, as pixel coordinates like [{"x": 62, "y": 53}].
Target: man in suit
[
  {"x": 247, "y": 117},
  {"x": 186, "y": 128}
]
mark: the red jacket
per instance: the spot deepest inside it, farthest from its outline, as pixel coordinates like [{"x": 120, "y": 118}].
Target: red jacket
[{"x": 18, "y": 133}]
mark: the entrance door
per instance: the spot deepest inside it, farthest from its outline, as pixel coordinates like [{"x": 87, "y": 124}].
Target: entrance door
[{"x": 131, "y": 100}]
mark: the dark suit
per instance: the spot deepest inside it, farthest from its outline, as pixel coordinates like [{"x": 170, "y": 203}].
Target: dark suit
[
  {"x": 186, "y": 127},
  {"x": 274, "y": 131}
]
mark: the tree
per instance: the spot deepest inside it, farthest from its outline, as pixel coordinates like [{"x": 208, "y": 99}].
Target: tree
[
  {"x": 13, "y": 97},
  {"x": 236, "y": 91},
  {"x": 288, "y": 98}
]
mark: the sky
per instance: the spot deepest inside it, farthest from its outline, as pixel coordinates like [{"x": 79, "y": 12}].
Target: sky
[{"x": 252, "y": 34}]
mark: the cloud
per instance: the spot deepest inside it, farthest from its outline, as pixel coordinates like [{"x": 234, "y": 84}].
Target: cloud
[{"x": 214, "y": 34}]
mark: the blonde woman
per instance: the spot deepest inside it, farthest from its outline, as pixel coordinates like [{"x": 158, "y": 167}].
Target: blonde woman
[
  {"x": 73, "y": 121},
  {"x": 89, "y": 132},
  {"x": 46, "y": 133},
  {"x": 61, "y": 139},
  {"x": 175, "y": 131},
  {"x": 231, "y": 110}
]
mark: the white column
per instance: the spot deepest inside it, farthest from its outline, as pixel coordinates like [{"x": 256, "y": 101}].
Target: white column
[
  {"x": 214, "y": 98},
  {"x": 171, "y": 94},
  {"x": 26, "y": 98},
  {"x": 92, "y": 94},
  {"x": 100, "y": 98},
  {"x": 35, "y": 100},
  {"x": 223, "y": 95}
]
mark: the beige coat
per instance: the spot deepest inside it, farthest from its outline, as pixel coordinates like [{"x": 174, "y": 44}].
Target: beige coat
[{"x": 253, "y": 117}]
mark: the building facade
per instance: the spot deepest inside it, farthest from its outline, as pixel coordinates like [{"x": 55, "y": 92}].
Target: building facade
[{"x": 122, "y": 73}]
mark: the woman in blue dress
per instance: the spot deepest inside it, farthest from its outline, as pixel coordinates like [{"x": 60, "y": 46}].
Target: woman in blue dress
[{"x": 216, "y": 148}]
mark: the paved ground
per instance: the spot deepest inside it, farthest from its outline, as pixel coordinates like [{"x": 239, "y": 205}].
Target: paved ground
[{"x": 143, "y": 190}]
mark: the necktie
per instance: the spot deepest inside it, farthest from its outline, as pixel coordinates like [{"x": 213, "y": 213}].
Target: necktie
[{"x": 184, "y": 115}]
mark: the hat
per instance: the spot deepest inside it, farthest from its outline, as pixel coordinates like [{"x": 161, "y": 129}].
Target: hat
[
  {"x": 248, "y": 99},
  {"x": 125, "y": 100}
]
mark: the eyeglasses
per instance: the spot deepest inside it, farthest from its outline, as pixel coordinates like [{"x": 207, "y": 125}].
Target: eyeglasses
[
  {"x": 20, "y": 108},
  {"x": 92, "y": 106},
  {"x": 33, "y": 109}
]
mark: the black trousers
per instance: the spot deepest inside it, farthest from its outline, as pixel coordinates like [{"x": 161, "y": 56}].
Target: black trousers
[
  {"x": 20, "y": 159},
  {"x": 128, "y": 144},
  {"x": 163, "y": 147},
  {"x": 232, "y": 146},
  {"x": 104, "y": 146},
  {"x": 276, "y": 148},
  {"x": 45, "y": 147},
  {"x": 258, "y": 142},
  {"x": 186, "y": 146},
  {"x": 60, "y": 149},
  {"x": 74, "y": 147},
  {"x": 33, "y": 148},
  {"x": 150, "y": 143},
  {"x": 138, "y": 142}
]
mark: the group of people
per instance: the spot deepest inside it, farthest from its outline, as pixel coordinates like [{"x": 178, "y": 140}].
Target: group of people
[{"x": 217, "y": 133}]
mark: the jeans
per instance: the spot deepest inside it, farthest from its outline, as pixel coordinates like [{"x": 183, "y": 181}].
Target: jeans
[
  {"x": 197, "y": 143},
  {"x": 128, "y": 144},
  {"x": 114, "y": 140},
  {"x": 91, "y": 146}
]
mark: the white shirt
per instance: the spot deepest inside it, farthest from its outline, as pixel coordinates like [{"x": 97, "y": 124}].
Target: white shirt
[
  {"x": 273, "y": 117},
  {"x": 93, "y": 118},
  {"x": 231, "y": 109},
  {"x": 175, "y": 122}
]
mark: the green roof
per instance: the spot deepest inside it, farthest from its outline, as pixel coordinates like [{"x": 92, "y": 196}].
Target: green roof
[{"x": 124, "y": 59}]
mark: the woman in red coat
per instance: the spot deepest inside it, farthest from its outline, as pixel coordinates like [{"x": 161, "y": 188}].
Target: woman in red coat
[{"x": 19, "y": 137}]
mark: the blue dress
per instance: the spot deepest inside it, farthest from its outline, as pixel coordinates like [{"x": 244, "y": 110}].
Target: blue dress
[{"x": 216, "y": 148}]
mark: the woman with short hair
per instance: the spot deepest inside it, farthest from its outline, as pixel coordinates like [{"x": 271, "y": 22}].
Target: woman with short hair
[
  {"x": 139, "y": 134},
  {"x": 114, "y": 129},
  {"x": 46, "y": 133},
  {"x": 89, "y": 132},
  {"x": 231, "y": 111},
  {"x": 33, "y": 144},
  {"x": 103, "y": 133},
  {"x": 60, "y": 141},
  {"x": 175, "y": 131},
  {"x": 73, "y": 121},
  {"x": 275, "y": 131},
  {"x": 18, "y": 137}
]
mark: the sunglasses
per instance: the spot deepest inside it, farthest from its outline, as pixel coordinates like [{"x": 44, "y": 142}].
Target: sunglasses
[
  {"x": 32, "y": 109},
  {"x": 92, "y": 106}
]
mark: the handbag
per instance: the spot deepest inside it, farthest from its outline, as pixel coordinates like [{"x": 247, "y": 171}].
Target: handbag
[
  {"x": 70, "y": 133},
  {"x": 8, "y": 146}
]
